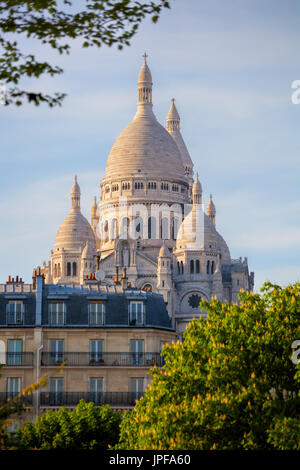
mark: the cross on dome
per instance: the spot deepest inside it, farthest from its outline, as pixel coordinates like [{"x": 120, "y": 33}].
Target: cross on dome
[{"x": 145, "y": 55}]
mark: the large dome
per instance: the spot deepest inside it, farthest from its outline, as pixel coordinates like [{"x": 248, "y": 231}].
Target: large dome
[{"x": 145, "y": 147}]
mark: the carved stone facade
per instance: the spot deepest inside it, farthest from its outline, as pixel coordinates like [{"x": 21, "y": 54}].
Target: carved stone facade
[{"x": 150, "y": 219}]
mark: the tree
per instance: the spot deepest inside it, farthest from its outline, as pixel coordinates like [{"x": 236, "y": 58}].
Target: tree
[
  {"x": 53, "y": 23},
  {"x": 231, "y": 384},
  {"x": 88, "y": 427},
  {"x": 12, "y": 407}
]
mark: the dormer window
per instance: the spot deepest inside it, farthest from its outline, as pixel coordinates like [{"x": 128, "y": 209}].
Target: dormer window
[
  {"x": 136, "y": 313},
  {"x": 15, "y": 312},
  {"x": 57, "y": 313},
  {"x": 96, "y": 312}
]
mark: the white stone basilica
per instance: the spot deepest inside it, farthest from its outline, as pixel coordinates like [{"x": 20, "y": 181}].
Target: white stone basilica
[{"x": 150, "y": 220}]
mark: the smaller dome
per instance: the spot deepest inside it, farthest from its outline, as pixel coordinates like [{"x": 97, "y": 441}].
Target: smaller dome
[
  {"x": 164, "y": 252},
  {"x": 196, "y": 232},
  {"x": 210, "y": 208},
  {"x": 197, "y": 188},
  {"x": 75, "y": 231},
  {"x": 173, "y": 113}
]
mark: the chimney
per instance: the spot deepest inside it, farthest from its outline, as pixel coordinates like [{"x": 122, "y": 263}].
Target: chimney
[{"x": 124, "y": 280}]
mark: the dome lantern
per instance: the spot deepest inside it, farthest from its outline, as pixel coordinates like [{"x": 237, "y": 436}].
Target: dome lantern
[
  {"x": 75, "y": 195},
  {"x": 197, "y": 191},
  {"x": 211, "y": 210},
  {"x": 145, "y": 84},
  {"x": 173, "y": 118}
]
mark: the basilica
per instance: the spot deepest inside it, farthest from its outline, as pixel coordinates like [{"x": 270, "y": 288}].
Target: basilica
[{"x": 149, "y": 224}]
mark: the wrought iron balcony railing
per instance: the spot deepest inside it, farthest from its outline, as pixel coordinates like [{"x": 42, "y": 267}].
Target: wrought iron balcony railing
[
  {"x": 17, "y": 359},
  {"x": 6, "y": 396},
  {"x": 101, "y": 359},
  {"x": 99, "y": 398}
]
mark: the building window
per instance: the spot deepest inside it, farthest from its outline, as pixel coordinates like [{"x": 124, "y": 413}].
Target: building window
[
  {"x": 192, "y": 266},
  {"x": 56, "y": 351},
  {"x": 164, "y": 228},
  {"x": 15, "y": 312},
  {"x": 138, "y": 185},
  {"x": 137, "y": 352},
  {"x": 57, "y": 311},
  {"x": 56, "y": 391},
  {"x": 151, "y": 228},
  {"x": 181, "y": 265},
  {"x": 138, "y": 226},
  {"x": 74, "y": 269},
  {"x": 13, "y": 386},
  {"x": 125, "y": 186},
  {"x": 96, "y": 312},
  {"x": 207, "y": 267},
  {"x": 136, "y": 387},
  {"x": 113, "y": 231},
  {"x": 96, "y": 351},
  {"x": 212, "y": 267},
  {"x": 164, "y": 186},
  {"x": 96, "y": 390},
  {"x": 175, "y": 188},
  {"x": 151, "y": 185},
  {"x": 136, "y": 313},
  {"x": 14, "y": 352},
  {"x": 68, "y": 269},
  {"x": 115, "y": 187},
  {"x": 197, "y": 266}
]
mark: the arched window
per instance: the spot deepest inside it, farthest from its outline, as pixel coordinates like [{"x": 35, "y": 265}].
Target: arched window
[
  {"x": 55, "y": 270},
  {"x": 197, "y": 266},
  {"x": 181, "y": 265},
  {"x": 138, "y": 227},
  {"x": 192, "y": 266},
  {"x": 68, "y": 269},
  {"x": 178, "y": 267},
  {"x": 125, "y": 226},
  {"x": 175, "y": 227},
  {"x": 152, "y": 228},
  {"x": 74, "y": 269},
  {"x": 164, "y": 228},
  {"x": 207, "y": 267},
  {"x": 113, "y": 229},
  {"x": 212, "y": 267},
  {"x": 58, "y": 270}
]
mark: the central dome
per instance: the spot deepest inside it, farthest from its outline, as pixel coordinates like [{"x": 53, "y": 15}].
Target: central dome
[{"x": 145, "y": 147}]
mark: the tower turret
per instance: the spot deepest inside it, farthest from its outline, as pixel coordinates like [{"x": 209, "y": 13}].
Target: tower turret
[
  {"x": 197, "y": 191},
  {"x": 211, "y": 210}
]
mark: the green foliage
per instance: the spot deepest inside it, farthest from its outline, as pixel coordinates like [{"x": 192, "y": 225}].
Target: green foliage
[
  {"x": 89, "y": 427},
  {"x": 12, "y": 408},
  {"x": 231, "y": 384},
  {"x": 53, "y": 23}
]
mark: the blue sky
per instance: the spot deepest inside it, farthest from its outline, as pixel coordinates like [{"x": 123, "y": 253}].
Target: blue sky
[{"x": 230, "y": 65}]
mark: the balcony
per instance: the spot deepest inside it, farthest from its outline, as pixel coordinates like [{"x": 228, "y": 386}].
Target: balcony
[
  {"x": 118, "y": 399},
  {"x": 17, "y": 359},
  {"x": 7, "y": 396},
  {"x": 101, "y": 359}
]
